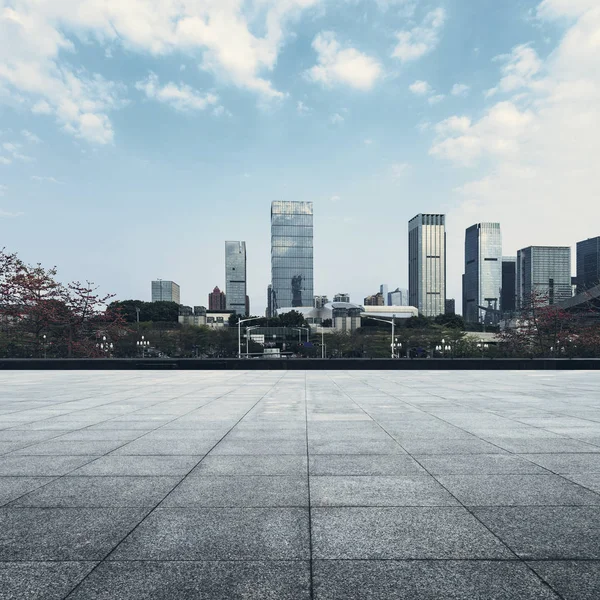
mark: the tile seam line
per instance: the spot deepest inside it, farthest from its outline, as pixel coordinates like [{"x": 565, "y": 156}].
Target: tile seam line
[{"x": 114, "y": 548}]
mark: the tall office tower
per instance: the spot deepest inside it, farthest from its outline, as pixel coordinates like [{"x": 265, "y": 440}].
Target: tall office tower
[
  {"x": 320, "y": 301},
  {"x": 450, "y": 306},
  {"x": 375, "y": 300},
  {"x": 270, "y": 312},
  {"x": 341, "y": 298},
  {"x": 235, "y": 277},
  {"x": 399, "y": 297},
  {"x": 383, "y": 290},
  {"x": 588, "y": 264},
  {"x": 292, "y": 253},
  {"x": 216, "y": 300},
  {"x": 543, "y": 271},
  {"x": 165, "y": 291},
  {"x": 427, "y": 264},
  {"x": 508, "y": 296},
  {"x": 483, "y": 273}
]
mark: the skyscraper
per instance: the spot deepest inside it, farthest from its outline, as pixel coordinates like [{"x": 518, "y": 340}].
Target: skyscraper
[
  {"x": 292, "y": 253},
  {"x": 216, "y": 300},
  {"x": 588, "y": 264},
  {"x": 543, "y": 271},
  {"x": 383, "y": 290},
  {"x": 508, "y": 297},
  {"x": 399, "y": 297},
  {"x": 165, "y": 291},
  {"x": 427, "y": 264},
  {"x": 483, "y": 273},
  {"x": 235, "y": 277}
]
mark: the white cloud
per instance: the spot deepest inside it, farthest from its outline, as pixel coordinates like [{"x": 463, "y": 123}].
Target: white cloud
[
  {"x": 519, "y": 71},
  {"x": 436, "y": 99},
  {"x": 181, "y": 97},
  {"x": 421, "y": 40},
  {"x": 37, "y": 52},
  {"x": 3, "y": 189},
  {"x": 10, "y": 215},
  {"x": 336, "y": 119},
  {"x": 460, "y": 89},
  {"x": 335, "y": 198},
  {"x": 420, "y": 88},
  {"x": 5, "y": 161},
  {"x": 404, "y": 8},
  {"x": 342, "y": 66},
  {"x": 301, "y": 108},
  {"x": 221, "y": 111},
  {"x": 14, "y": 150},
  {"x": 368, "y": 142},
  {"x": 40, "y": 179},
  {"x": 31, "y": 137},
  {"x": 399, "y": 170}
]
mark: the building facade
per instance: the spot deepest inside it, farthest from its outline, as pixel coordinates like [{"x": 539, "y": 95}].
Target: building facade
[
  {"x": 235, "y": 277},
  {"x": 508, "y": 295},
  {"x": 383, "y": 290},
  {"x": 543, "y": 272},
  {"x": 341, "y": 298},
  {"x": 270, "y": 311},
  {"x": 320, "y": 301},
  {"x": 450, "y": 306},
  {"x": 483, "y": 273},
  {"x": 345, "y": 317},
  {"x": 588, "y": 264},
  {"x": 165, "y": 291},
  {"x": 399, "y": 297},
  {"x": 292, "y": 254},
  {"x": 427, "y": 264},
  {"x": 375, "y": 300},
  {"x": 216, "y": 300}
]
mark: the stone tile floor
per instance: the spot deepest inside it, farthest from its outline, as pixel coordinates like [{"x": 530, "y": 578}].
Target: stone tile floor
[{"x": 292, "y": 485}]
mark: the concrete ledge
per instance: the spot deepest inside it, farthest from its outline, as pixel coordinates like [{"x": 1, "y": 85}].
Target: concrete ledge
[{"x": 384, "y": 364}]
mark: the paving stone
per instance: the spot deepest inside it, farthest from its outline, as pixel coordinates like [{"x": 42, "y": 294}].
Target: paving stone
[
  {"x": 252, "y": 465},
  {"x": 253, "y": 491},
  {"x": 367, "y": 464},
  {"x": 70, "y": 448},
  {"x": 13, "y": 487},
  {"x": 124, "y": 492},
  {"x": 219, "y": 534},
  {"x": 401, "y": 533},
  {"x": 139, "y": 465},
  {"x": 528, "y": 445},
  {"x": 567, "y": 463},
  {"x": 444, "y": 446},
  {"x": 40, "y": 580},
  {"x": 427, "y": 580},
  {"x": 477, "y": 464},
  {"x": 414, "y": 490},
  {"x": 355, "y": 446},
  {"x": 573, "y": 580},
  {"x": 151, "y": 447},
  {"x": 63, "y": 533},
  {"x": 275, "y": 580},
  {"x": 42, "y": 466},
  {"x": 250, "y": 447},
  {"x": 591, "y": 481}
]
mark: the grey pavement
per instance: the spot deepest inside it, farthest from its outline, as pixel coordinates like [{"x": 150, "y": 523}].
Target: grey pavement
[{"x": 321, "y": 485}]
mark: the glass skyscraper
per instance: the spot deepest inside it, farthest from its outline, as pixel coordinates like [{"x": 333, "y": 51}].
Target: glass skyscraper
[
  {"x": 292, "y": 254},
  {"x": 165, "y": 291},
  {"x": 544, "y": 271},
  {"x": 483, "y": 273},
  {"x": 235, "y": 277},
  {"x": 508, "y": 298},
  {"x": 588, "y": 264},
  {"x": 427, "y": 264}
]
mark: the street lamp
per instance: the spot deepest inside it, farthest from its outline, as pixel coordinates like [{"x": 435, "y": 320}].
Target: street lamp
[
  {"x": 105, "y": 346},
  {"x": 398, "y": 347},
  {"x": 240, "y": 333},
  {"x": 142, "y": 344},
  {"x": 44, "y": 344},
  {"x": 393, "y": 324},
  {"x": 248, "y": 335}
]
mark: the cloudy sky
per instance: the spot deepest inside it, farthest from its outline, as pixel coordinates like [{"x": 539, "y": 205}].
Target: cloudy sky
[{"x": 136, "y": 136}]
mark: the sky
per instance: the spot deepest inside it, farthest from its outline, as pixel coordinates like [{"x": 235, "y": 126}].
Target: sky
[{"x": 136, "y": 137}]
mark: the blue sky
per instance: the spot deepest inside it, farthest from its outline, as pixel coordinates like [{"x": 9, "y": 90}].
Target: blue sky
[{"x": 136, "y": 137}]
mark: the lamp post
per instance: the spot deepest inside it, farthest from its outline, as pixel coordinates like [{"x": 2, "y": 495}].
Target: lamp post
[
  {"x": 393, "y": 324},
  {"x": 248, "y": 336},
  {"x": 141, "y": 344},
  {"x": 240, "y": 333},
  {"x": 44, "y": 344},
  {"x": 398, "y": 347},
  {"x": 105, "y": 346}
]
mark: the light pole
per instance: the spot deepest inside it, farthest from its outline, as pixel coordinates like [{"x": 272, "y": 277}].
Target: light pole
[
  {"x": 398, "y": 347},
  {"x": 240, "y": 333},
  {"x": 393, "y": 324},
  {"x": 44, "y": 342},
  {"x": 248, "y": 336},
  {"x": 105, "y": 346},
  {"x": 141, "y": 344}
]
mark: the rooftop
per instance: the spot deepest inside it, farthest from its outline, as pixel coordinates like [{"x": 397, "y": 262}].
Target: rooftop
[{"x": 299, "y": 485}]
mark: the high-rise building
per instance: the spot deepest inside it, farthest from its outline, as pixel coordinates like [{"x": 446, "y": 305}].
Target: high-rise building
[
  {"x": 399, "y": 297},
  {"x": 508, "y": 296},
  {"x": 341, "y": 298},
  {"x": 450, "y": 306},
  {"x": 320, "y": 301},
  {"x": 292, "y": 253},
  {"x": 427, "y": 264},
  {"x": 543, "y": 272},
  {"x": 216, "y": 300},
  {"x": 588, "y": 264},
  {"x": 165, "y": 291},
  {"x": 235, "y": 277},
  {"x": 270, "y": 312},
  {"x": 375, "y": 300},
  {"x": 483, "y": 273},
  {"x": 383, "y": 290}
]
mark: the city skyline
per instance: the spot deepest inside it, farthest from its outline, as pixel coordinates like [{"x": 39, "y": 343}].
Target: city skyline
[{"x": 134, "y": 151}]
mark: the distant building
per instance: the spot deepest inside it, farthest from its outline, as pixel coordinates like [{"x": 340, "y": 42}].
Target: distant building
[
  {"x": 375, "y": 300},
  {"x": 194, "y": 318},
  {"x": 216, "y": 300},
  {"x": 588, "y": 264},
  {"x": 341, "y": 298},
  {"x": 574, "y": 286},
  {"x": 427, "y": 264},
  {"x": 218, "y": 318},
  {"x": 165, "y": 291},
  {"x": 235, "y": 277},
  {"x": 383, "y": 290},
  {"x": 270, "y": 312},
  {"x": 292, "y": 254},
  {"x": 508, "y": 295},
  {"x": 346, "y": 316},
  {"x": 320, "y": 301},
  {"x": 399, "y": 297},
  {"x": 544, "y": 271},
  {"x": 483, "y": 273},
  {"x": 450, "y": 306}
]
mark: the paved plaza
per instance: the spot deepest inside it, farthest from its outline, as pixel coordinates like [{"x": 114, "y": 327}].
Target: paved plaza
[{"x": 273, "y": 485}]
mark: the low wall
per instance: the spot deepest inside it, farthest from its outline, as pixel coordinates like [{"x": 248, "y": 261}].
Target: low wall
[{"x": 387, "y": 364}]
